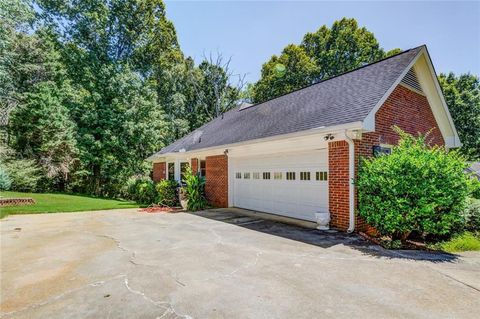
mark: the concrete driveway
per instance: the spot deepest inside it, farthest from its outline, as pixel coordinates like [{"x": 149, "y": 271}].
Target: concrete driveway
[{"x": 125, "y": 264}]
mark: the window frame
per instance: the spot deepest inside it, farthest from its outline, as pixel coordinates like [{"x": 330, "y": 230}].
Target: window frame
[
  {"x": 183, "y": 165},
  {"x": 203, "y": 168},
  {"x": 171, "y": 172}
]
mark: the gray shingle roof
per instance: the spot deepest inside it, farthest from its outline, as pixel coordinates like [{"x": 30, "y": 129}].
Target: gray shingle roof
[{"x": 339, "y": 100}]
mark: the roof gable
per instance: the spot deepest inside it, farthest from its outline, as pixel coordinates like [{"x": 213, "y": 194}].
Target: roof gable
[{"x": 425, "y": 82}]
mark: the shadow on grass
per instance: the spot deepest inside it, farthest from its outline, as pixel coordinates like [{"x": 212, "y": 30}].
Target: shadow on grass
[{"x": 324, "y": 239}]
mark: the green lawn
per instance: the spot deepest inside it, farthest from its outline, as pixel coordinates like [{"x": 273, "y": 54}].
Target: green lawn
[
  {"x": 53, "y": 203},
  {"x": 464, "y": 242}
]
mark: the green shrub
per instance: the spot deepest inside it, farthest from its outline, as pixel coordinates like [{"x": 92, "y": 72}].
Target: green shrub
[
  {"x": 24, "y": 175},
  {"x": 194, "y": 190},
  {"x": 415, "y": 189},
  {"x": 5, "y": 181},
  {"x": 140, "y": 189},
  {"x": 472, "y": 215},
  {"x": 167, "y": 193},
  {"x": 476, "y": 188}
]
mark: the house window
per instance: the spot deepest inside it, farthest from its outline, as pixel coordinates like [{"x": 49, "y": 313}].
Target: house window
[
  {"x": 321, "y": 176},
  {"x": 203, "y": 168},
  {"x": 290, "y": 176},
  {"x": 304, "y": 176},
  {"x": 238, "y": 175},
  {"x": 246, "y": 175},
  {"x": 171, "y": 171},
  {"x": 277, "y": 175},
  {"x": 256, "y": 175},
  {"x": 266, "y": 175},
  {"x": 183, "y": 170}
]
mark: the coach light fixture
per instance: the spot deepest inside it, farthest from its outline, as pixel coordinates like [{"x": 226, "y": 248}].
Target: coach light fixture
[{"x": 328, "y": 137}]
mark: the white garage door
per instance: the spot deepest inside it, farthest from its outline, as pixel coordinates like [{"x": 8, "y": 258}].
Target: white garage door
[{"x": 293, "y": 185}]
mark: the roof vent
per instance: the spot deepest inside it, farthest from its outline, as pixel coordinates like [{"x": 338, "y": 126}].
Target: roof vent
[{"x": 411, "y": 80}]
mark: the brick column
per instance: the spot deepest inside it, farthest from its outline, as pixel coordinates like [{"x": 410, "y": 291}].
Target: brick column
[
  {"x": 194, "y": 164},
  {"x": 159, "y": 171},
  {"x": 216, "y": 175},
  {"x": 338, "y": 184}
]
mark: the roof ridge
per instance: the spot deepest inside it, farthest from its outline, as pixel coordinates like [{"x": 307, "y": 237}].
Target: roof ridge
[{"x": 335, "y": 76}]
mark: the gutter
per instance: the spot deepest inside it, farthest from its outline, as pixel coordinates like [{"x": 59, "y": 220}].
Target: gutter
[
  {"x": 220, "y": 148},
  {"x": 351, "y": 187}
]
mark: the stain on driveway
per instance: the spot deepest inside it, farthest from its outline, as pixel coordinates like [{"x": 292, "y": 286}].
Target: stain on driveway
[{"x": 125, "y": 264}]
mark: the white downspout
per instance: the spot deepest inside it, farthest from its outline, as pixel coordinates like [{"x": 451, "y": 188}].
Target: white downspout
[{"x": 351, "y": 187}]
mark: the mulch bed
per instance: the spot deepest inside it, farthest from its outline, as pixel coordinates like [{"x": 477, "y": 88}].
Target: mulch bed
[
  {"x": 408, "y": 244},
  {"x": 16, "y": 201},
  {"x": 160, "y": 209}
]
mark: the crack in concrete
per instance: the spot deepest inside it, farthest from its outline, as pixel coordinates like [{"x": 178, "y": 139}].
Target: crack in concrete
[
  {"x": 454, "y": 279},
  {"x": 161, "y": 304}
]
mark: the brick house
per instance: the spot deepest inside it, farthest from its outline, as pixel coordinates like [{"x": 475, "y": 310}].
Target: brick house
[{"x": 296, "y": 155}]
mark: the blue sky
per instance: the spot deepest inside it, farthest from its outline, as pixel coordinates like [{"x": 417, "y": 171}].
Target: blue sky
[{"x": 250, "y": 31}]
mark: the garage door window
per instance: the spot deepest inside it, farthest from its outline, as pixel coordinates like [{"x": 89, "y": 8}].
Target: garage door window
[
  {"x": 322, "y": 176},
  {"x": 266, "y": 175},
  {"x": 304, "y": 176},
  {"x": 277, "y": 175},
  {"x": 291, "y": 176},
  {"x": 238, "y": 175},
  {"x": 256, "y": 175},
  {"x": 246, "y": 175}
]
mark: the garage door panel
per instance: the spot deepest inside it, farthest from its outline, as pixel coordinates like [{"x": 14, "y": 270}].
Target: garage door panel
[{"x": 295, "y": 198}]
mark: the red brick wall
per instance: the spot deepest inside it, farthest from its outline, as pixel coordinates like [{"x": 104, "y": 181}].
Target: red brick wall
[
  {"x": 216, "y": 187},
  {"x": 404, "y": 108},
  {"x": 338, "y": 184},
  {"x": 194, "y": 165},
  {"x": 408, "y": 110},
  {"x": 159, "y": 171}
]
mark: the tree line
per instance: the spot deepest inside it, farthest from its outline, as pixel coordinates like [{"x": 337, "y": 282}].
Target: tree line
[
  {"x": 98, "y": 86},
  {"x": 92, "y": 87}
]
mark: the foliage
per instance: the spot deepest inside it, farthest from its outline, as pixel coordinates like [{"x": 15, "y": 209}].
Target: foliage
[
  {"x": 472, "y": 215},
  {"x": 141, "y": 189},
  {"x": 293, "y": 69},
  {"x": 124, "y": 83},
  {"x": 464, "y": 242},
  {"x": 167, "y": 193},
  {"x": 321, "y": 55},
  {"x": 24, "y": 174},
  {"x": 194, "y": 190},
  {"x": 5, "y": 181},
  {"x": 462, "y": 94},
  {"x": 15, "y": 17},
  {"x": 476, "y": 188},
  {"x": 54, "y": 203},
  {"x": 415, "y": 189}
]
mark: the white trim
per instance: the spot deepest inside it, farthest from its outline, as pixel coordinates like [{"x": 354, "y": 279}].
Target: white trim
[
  {"x": 221, "y": 148},
  {"x": 369, "y": 121},
  {"x": 456, "y": 139},
  {"x": 351, "y": 186}
]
